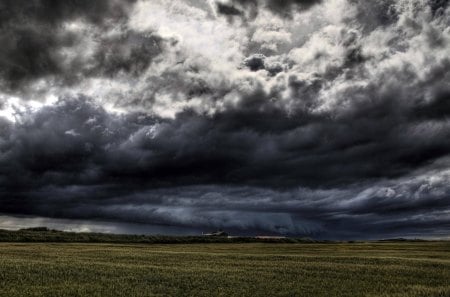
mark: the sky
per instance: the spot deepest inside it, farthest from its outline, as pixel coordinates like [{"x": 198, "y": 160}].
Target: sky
[{"x": 315, "y": 118}]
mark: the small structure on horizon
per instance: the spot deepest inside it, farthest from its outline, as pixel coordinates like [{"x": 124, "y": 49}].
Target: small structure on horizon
[
  {"x": 269, "y": 237},
  {"x": 216, "y": 233}
]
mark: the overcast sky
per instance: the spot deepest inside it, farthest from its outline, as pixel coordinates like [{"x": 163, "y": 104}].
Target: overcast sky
[{"x": 328, "y": 119}]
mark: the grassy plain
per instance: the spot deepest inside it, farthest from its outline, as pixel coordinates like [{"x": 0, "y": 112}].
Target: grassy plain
[{"x": 230, "y": 269}]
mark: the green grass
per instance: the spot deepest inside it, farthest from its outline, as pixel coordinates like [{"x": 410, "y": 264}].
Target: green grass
[{"x": 214, "y": 269}]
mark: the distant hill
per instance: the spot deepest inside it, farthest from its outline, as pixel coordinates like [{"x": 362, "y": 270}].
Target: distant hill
[
  {"x": 401, "y": 240},
  {"x": 44, "y": 234}
]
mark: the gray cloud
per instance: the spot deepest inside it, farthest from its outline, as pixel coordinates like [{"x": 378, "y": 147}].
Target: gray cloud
[
  {"x": 282, "y": 7},
  {"x": 334, "y": 128},
  {"x": 69, "y": 41}
]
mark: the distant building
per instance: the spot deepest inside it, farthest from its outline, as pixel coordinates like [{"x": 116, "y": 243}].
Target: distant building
[
  {"x": 270, "y": 237},
  {"x": 217, "y": 233}
]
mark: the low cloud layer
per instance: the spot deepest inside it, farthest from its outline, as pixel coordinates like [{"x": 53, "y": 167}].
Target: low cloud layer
[{"x": 313, "y": 118}]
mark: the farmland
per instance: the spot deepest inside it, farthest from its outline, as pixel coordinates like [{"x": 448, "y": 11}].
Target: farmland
[{"x": 225, "y": 269}]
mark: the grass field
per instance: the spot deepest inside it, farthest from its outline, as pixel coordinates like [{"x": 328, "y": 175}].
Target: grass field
[{"x": 248, "y": 269}]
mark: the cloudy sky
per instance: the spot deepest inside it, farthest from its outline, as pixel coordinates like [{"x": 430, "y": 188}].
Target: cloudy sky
[{"x": 328, "y": 119}]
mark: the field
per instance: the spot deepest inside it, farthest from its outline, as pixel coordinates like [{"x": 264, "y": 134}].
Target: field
[{"x": 225, "y": 269}]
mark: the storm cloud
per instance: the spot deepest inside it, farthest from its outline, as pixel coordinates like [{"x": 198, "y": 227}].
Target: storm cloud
[
  {"x": 282, "y": 7},
  {"x": 327, "y": 119}
]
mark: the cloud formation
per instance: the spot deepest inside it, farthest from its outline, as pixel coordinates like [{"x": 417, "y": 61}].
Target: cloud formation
[
  {"x": 318, "y": 118},
  {"x": 281, "y": 7}
]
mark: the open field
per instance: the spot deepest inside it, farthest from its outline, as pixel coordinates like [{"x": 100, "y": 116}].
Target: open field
[{"x": 246, "y": 269}]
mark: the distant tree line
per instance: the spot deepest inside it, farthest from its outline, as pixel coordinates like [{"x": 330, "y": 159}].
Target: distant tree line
[{"x": 44, "y": 234}]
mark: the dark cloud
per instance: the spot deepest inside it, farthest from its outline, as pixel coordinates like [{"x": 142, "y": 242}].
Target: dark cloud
[
  {"x": 30, "y": 53},
  {"x": 130, "y": 52},
  {"x": 342, "y": 135},
  {"x": 438, "y": 6},
  {"x": 281, "y": 7},
  {"x": 258, "y": 62},
  {"x": 35, "y": 36},
  {"x": 376, "y": 13},
  {"x": 70, "y": 159},
  {"x": 53, "y": 12},
  {"x": 255, "y": 62},
  {"x": 228, "y": 9}
]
